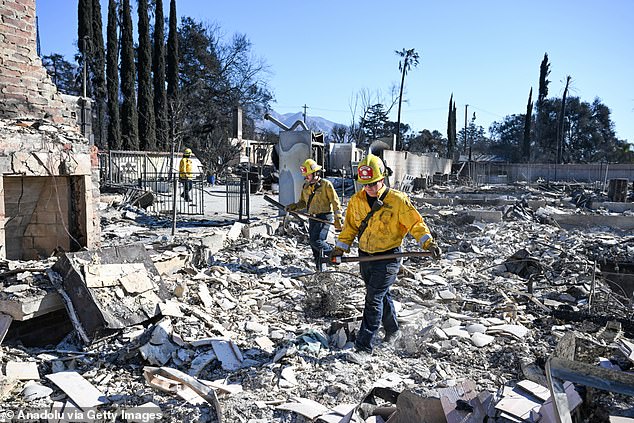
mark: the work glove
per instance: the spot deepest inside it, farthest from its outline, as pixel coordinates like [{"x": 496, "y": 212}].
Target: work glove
[
  {"x": 334, "y": 253},
  {"x": 435, "y": 250},
  {"x": 338, "y": 223},
  {"x": 291, "y": 207}
]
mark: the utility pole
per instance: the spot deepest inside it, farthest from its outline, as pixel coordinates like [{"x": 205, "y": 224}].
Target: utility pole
[{"x": 305, "y": 107}]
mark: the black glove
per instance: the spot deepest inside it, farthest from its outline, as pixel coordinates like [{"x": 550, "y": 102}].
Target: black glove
[
  {"x": 435, "y": 250},
  {"x": 336, "y": 252}
]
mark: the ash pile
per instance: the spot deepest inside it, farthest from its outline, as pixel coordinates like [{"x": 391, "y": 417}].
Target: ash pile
[{"x": 522, "y": 319}]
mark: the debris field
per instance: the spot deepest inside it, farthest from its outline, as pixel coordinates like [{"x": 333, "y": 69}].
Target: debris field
[{"x": 230, "y": 322}]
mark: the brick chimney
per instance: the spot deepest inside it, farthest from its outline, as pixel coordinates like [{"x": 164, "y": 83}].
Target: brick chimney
[
  {"x": 49, "y": 182},
  {"x": 26, "y": 90}
]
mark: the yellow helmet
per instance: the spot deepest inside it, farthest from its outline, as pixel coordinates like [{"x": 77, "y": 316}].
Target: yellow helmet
[
  {"x": 309, "y": 166},
  {"x": 371, "y": 169},
  {"x": 187, "y": 152}
]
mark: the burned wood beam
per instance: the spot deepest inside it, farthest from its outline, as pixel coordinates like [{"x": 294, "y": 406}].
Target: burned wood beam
[
  {"x": 593, "y": 376},
  {"x": 56, "y": 279},
  {"x": 578, "y": 316}
]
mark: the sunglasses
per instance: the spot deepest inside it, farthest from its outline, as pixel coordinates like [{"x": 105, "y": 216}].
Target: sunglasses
[{"x": 373, "y": 184}]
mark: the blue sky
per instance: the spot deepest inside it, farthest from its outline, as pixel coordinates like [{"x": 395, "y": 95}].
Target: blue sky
[{"x": 487, "y": 53}]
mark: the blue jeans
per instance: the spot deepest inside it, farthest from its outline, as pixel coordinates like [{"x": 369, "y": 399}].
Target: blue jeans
[
  {"x": 317, "y": 234},
  {"x": 378, "y": 276}
]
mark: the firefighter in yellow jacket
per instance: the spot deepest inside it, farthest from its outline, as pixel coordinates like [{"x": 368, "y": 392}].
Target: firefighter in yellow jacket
[
  {"x": 185, "y": 174},
  {"x": 393, "y": 217},
  {"x": 320, "y": 200}
]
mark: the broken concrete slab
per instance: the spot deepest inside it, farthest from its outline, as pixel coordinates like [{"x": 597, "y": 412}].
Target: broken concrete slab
[
  {"x": 228, "y": 353},
  {"x": 493, "y": 216},
  {"x": 24, "y": 307},
  {"x": 236, "y": 231},
  {"x": 594, "y": 220},
  {"x": 411, "y": 407},
  {"x": 34, "y": 390},
  {"x": 98, "y": 308},
  {"x": 22, "y": 370},
  {"x": 612, "y": 206},
  {"x": 78, "y": 389},
  {"x": 305, "y": 407},
  {"x": 252, "y": 230},
  {"x": 159, "y": 349}
]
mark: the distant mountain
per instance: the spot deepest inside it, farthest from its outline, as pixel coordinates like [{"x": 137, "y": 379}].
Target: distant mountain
[{"x": 314, "y": 123}]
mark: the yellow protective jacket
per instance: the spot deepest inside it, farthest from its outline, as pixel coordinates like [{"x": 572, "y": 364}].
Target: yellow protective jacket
[
  {"x": 387, "y": 227},
  {"x": 185, "y": 169},
  {"x": 325, "y": 199}
]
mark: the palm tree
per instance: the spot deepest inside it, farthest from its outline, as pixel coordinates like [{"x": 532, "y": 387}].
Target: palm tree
[{"x": 410, "y": 58}]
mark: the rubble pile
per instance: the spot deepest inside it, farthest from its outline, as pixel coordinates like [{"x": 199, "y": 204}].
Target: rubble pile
[{"x": 244, "y": 330}]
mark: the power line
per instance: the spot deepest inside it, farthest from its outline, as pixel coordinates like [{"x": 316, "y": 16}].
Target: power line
[{"x": 486, "y": 111}]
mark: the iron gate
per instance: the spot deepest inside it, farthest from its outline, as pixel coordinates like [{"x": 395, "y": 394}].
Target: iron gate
[
  {"x": 238, "y": 191},
  {"x": 151, "y": 172},
  {"x": 164, "y": 189}
]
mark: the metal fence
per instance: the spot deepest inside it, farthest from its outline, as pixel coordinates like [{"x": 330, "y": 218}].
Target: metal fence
[
  {"x": 142, "y": 172},
  {"x": 130, "y": 167},
  {"x": 238, "y": 191},
  {"x": 168, "y": 191}
]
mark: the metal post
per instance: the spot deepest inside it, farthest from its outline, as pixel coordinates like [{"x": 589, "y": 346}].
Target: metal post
[
  {"x": 343, "y": 185},
  {"x": 248, "y": 201},
  {"x": 174, "y": 188},
  {"x": 110, "y": 166},
  {"x": 242, "y": 177}
]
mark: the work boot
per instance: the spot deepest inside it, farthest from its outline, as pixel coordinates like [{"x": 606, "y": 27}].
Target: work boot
[
  {"x": 391, "y": 338},
  {"x": 358, "y": 356}
]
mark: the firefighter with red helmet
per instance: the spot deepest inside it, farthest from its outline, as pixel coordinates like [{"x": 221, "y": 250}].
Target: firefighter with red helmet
[
  {"x": 320, "y": 200},
  {"x": 380, "y": 217}
]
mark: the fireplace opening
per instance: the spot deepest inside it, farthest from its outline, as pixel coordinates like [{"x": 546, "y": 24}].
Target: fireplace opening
[{"x": 44, "y": 214}]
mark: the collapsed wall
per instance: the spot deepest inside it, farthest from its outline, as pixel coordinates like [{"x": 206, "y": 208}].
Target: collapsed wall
[{"x": 49, "y": 186}]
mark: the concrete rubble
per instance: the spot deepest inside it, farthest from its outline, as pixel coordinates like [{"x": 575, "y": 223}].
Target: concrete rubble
[{"x": 230, "y": 322}]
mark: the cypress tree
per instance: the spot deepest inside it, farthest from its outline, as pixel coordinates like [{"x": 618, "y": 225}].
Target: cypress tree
[
  {"x": 450, "y": 140},
  {"x": 542, "y": 94},
  {"x": 98, "y": 65},
  {"x": 84, "y": 34},
  {"x": 129, "y": 128},
  {"x": 158, "y": 68},
  {"x": 172, "y": 73},
  {"x": 526, "y": 143},
  {"x": 453, "y": 125},
  {"x": 560, "y": 124},
  {"x": 147, "y": 134},
  {"x": 112, "y": 76}
]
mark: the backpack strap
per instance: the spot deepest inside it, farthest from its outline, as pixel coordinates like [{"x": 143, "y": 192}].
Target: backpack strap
[
  {"x": 375, "y": 207},
  {"x": 312, "y": 194}
]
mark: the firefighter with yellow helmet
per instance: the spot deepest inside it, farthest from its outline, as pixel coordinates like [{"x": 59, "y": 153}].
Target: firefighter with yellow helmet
[
  {"x": 380, "y": 217},
  {"x": 185, "y": 173},
  {"x": 320, "y": 200}
]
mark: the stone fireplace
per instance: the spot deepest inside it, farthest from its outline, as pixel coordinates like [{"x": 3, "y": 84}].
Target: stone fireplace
[{"x": 48, "y": 171}]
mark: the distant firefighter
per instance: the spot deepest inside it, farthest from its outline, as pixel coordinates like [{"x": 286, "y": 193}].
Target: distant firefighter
[{"x": 185, "y": 174}]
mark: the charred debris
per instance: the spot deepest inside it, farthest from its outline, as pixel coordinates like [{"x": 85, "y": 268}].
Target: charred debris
[{"x": 527, "y": 317}]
